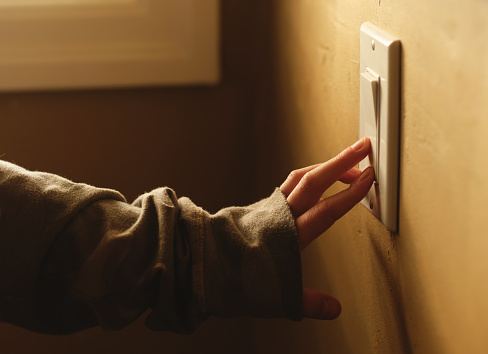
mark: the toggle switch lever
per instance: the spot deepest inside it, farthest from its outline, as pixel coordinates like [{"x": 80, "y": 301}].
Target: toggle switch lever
[{"x": 369, "y": 87}]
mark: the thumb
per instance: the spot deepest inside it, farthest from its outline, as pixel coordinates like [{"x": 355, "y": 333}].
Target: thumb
[{"x": 320, "y": 306}]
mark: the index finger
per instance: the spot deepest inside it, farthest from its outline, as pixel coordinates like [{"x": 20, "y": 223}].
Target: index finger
[
  {"x": 313, "y": 184},
  {"x": 295, "y": 176}
]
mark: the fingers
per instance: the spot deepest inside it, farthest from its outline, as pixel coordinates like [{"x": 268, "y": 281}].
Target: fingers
[
  {"x": 350, "y": 176},
  {"x": 293, "y": 178},
  {"x": 314, "y": 182},
  {"x": 318, "y": 219},
  {"x": 319, "y": 305}
]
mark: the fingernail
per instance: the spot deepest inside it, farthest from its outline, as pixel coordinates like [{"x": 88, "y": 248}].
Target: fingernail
[
  {"x": 331, "y": 309},
  {"x": 358, "y": 145},
  {"x": 366, "y": 174}
]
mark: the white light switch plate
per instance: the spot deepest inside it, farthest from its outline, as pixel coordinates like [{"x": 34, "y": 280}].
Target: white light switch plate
[{"x": 380, "y": 119}]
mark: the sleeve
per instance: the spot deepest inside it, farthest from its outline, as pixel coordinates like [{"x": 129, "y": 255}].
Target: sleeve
[{"x": 75, "y": 256}]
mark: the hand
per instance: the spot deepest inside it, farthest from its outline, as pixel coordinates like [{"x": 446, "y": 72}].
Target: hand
[{"x": 313, "y": 215}]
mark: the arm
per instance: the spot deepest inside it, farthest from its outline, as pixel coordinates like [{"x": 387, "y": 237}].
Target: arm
[{"x": 76, "y": 256}]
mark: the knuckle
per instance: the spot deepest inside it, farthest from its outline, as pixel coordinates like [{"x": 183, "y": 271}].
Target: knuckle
[
  {"x": 293, "y": 176},
  {"x": 323, "y": 207},
  {"x": 341, "y": 156},
  {"x": 307, "y": 183}
]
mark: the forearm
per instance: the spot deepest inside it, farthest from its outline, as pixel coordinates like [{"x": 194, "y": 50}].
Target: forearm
[{"x": 100, "y": 260}]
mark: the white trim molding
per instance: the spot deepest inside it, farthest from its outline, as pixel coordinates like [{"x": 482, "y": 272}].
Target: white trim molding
[{"x": 73, "y": 44}]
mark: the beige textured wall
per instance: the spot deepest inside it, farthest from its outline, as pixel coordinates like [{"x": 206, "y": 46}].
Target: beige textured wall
[{"x": 424, "y": 290}]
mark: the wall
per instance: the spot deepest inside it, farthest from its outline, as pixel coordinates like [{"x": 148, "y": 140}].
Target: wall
[{"x": 423, "y": 290}]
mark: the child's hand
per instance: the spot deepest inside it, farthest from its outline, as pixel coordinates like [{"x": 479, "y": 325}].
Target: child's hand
[{"x": 314, "y": 215}]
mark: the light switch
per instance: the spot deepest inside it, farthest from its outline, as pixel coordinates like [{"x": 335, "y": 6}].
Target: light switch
[{"x": 380, "y": 119}]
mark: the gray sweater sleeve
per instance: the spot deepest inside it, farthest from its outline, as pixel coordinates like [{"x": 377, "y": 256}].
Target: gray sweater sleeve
[{"x": 75, "y": 256}]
